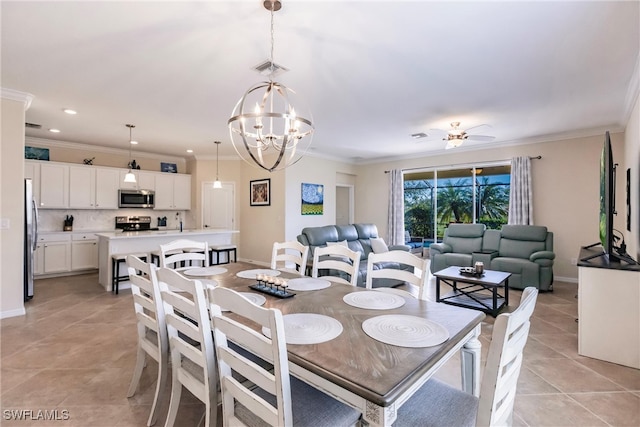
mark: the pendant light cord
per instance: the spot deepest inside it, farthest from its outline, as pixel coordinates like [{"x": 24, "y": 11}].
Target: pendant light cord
[{"x": 272, "y": 41}]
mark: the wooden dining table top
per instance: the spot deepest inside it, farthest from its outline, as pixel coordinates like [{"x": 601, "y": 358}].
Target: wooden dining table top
[{"x": 376, "y": 371}]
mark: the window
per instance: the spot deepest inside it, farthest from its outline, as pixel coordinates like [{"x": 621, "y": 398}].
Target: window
[{"x": 436, "y": 198}]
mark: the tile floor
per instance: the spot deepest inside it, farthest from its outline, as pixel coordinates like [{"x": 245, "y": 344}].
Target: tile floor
[{"x": 75, "y": 350}]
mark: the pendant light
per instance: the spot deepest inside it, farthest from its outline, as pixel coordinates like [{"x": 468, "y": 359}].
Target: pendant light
[
  {"x": 217, "y": 183},
  {"x": 130, "y": 177},
  {"x": 266, "y": 130}
]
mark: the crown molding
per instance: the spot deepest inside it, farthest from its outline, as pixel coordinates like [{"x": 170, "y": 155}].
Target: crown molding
[
  {"x": 16, "y": 95},
  {"x": 49, "y": 143},
  {"x": 213, "y": 157}
]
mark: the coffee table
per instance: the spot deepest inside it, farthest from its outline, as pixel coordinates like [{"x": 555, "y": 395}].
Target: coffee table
[{"x": 476, "y": 292}]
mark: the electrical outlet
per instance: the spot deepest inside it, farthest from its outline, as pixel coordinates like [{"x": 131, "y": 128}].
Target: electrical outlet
[{"x": 574, "y": 261}]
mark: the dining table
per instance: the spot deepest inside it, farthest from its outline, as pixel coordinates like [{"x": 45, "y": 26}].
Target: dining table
[{"x": 370, "y": 375}]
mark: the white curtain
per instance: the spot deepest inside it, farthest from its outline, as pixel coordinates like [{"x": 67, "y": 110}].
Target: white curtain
[
  {"x": 521, "y": 194},
  {"x": 396, "y": 208}
]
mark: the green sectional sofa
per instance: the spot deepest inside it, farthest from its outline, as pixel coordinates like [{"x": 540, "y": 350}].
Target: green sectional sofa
[{"x": 525, "y": 251}]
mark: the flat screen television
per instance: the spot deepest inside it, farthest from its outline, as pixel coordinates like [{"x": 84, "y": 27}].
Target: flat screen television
[{"x": 607, "y": 200}]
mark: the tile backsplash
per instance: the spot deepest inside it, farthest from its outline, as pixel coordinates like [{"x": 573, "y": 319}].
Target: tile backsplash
[{"x": 104, "y": 220}]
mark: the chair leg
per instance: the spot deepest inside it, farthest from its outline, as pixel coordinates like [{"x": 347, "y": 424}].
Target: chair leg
[
  {"x": 174, "y": 403},
  {"x": 137, "y": 371},
  {"x": 160, "y": 386}
]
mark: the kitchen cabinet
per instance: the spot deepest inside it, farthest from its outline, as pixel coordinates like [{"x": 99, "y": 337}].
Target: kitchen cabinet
[
  {"x": 144, "y": 180},
  {"x": 173, "y": 191},
  {"x": 32, "y": 170},
  {"x": 93, "y": 188},
  {"x": 54, "y": 185},
  {"x": 84, "y": 251},
  {"x": 53, "y": 253}
]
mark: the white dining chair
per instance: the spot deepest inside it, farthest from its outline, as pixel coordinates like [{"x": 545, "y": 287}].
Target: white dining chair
[
  {"x": 190, "y": 343},
  {"x": 152, "y": 330},
  {"x": 289, "y": 252},
  {"x": 438, "y": 404},
  {"x": 335, "y": 259},
  {"x": 379, "y": 267},
  {"x": 271, "y": 397},
  {"x": 183, "y": 251}
]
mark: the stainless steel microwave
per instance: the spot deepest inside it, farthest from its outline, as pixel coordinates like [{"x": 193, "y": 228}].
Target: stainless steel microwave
[{"x": 136, "y": 198}]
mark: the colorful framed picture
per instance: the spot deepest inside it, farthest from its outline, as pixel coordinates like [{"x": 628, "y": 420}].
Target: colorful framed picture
[
  {"x": 260, "y": 192},
  {"x": 168, "y": 167},
  {"x": 312, "y": 199},
  {"x": 36, "y": 153}
]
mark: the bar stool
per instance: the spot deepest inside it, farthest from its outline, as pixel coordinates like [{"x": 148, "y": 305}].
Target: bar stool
[
  {"x": 116, "y": 259},
  {"x": 226, "y": 249}
]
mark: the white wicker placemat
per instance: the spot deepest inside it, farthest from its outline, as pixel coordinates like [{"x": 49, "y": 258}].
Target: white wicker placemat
[
  {"x": 374, "y": 300},
  {"x": 307, "y": 284},
  {"x": 405, "y": 331},
  {"x": 308, "y": 328},
  {"x": 251, "y": 274},
  {"x": 205, "y": 271}
]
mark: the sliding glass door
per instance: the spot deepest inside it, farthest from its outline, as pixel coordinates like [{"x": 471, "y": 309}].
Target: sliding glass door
[{"x": 438, "y": 197}]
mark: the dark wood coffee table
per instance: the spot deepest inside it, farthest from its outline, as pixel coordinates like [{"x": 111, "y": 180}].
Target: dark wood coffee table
[{"x": 476, "y": 292}]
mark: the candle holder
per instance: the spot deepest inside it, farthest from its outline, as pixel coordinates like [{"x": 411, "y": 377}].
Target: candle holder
[{"x": 273, "y": 286}]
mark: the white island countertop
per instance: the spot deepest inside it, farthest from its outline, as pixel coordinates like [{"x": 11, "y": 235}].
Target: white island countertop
[
  {"x": 118, "y": 242},
  {"x": 161, "y": 233}
]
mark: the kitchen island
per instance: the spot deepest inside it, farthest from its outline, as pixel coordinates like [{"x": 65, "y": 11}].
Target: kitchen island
[{"x": 145, "y": 242}]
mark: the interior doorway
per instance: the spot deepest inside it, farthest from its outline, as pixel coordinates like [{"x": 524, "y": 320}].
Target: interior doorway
[
  {"x": 218, "y": 206},
  {"x": 344, "y": 204}
]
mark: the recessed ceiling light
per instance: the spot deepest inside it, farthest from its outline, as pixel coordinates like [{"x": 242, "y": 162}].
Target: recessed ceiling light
[
  {"x": 54, "y": 130},
  {"x": 70, "y": 111},
  {"x": 133, "y": 142},
  {"x": 189, "y": 151}
]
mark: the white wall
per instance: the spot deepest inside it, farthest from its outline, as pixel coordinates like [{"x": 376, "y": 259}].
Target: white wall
[
  {"x": 12, "y": 203},
  {"x": 632, "y": 155}
]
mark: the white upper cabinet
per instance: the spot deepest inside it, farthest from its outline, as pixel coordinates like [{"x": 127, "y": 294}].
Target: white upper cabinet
[
  {"x": 54, "y": 185},
  {"x": 32, "y": 170},
  {"x": 173, "y": 191},
  {"x": 144, "y": 180},
  {"x": 93, "y": 187}
]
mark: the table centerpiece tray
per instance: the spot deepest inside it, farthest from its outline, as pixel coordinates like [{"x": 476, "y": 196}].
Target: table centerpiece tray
[
  {"x": 470, "y": 272},
  {"x": 270, "y": 290}
]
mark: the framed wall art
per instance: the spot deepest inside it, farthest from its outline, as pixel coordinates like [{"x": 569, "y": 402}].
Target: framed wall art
[
  {"x": 168, "y": 167},
  {"x": 260, "y": 192},
  {"x": 36, "y": 153},
  {"x": 312, "y": 199}
]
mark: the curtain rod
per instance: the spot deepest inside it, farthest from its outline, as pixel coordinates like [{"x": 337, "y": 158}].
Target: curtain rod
[{"x": 468, "y": 164}]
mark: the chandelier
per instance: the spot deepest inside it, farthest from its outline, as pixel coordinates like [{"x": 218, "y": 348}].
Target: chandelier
[{"x": 265, "y": 128}]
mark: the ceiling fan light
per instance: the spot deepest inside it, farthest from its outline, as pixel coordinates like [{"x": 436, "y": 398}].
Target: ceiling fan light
[{"x": 217, "y": 184}]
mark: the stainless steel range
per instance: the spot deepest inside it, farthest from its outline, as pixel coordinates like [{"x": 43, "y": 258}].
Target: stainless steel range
[{"x": 134, "y": 223}]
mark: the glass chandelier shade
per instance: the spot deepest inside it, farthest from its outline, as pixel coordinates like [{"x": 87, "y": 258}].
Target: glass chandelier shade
[
  {"x": 265, "y": 128},
  {"x": 130, "y": 177}
]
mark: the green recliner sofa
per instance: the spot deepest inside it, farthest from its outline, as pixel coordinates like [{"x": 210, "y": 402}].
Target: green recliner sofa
[{"x": 525, "y": 251}]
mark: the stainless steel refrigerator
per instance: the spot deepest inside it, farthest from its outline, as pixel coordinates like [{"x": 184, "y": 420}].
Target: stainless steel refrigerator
[{"x": 30, "y": 237}]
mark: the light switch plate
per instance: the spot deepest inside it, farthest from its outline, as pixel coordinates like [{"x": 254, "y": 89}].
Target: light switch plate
[{"x": 4, "y": 224}]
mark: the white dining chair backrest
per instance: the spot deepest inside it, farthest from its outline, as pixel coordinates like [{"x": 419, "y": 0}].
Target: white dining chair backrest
[
  {"x": 336, "y": 257},
  {"x": 416, "y": 274},
  {"x": 152, "y": 330},
  {"x": 190, "y": 342},
  {"x": 184, "y": 251},
  {"x": 270, "y": 395},
  {"x": 290, "y": 252},
  {"x": 500, "y": 378},
  {"x": 438, "y": 404}
]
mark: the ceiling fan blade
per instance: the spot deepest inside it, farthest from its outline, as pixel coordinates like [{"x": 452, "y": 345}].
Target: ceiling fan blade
[
  {"x": 479, "y": 129},
  {"x": 486, "y": 138}
]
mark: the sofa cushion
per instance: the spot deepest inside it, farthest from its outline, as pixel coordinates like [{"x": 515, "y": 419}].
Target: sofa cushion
[
  {"x": 519, "y": 248},
  {"x": 465, "y": 230},
  {"x": 319, "y": 236},
  {"x": 378, "y": 245},
  {"x": 524, "y": 232},
  {"x": 366, "y": 231},
  {"x": 347, "y": 232}
]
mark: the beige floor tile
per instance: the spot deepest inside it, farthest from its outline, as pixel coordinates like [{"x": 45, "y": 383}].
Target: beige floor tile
[
  {"x": 569, "y": 376},
  {"x": 626, "y": 377},
  {"x": 554, "y": 410},
  {"x": 617, "y": 409}
]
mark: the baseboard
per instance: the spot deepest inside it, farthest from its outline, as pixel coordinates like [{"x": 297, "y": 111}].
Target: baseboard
[{"x": 13, "y": 313}]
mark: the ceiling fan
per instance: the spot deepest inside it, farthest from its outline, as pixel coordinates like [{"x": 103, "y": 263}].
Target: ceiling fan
[{"x": 456, "y": 136}]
